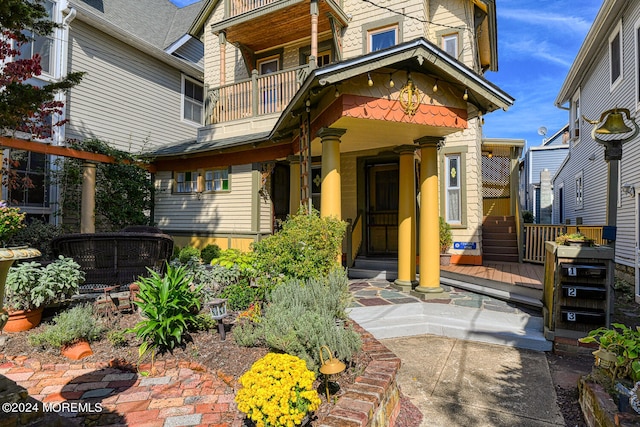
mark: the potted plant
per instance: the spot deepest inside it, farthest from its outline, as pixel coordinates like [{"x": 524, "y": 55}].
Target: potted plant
[
  {"x": 618, "y": 352},
  {"x": 574, "y": 239},
  {"x": 278, "y": 391},
  {"x": 71, "y": 332},
  {"x": 30, "y": 287},
  {"x": 445, "y": 242}
]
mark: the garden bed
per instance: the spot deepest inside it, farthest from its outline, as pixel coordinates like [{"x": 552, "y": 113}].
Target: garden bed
[{"x": 226, "y": 359}]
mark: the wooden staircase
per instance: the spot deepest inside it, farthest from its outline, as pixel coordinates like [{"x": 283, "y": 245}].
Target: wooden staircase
[{"x": 499, "y": 239}]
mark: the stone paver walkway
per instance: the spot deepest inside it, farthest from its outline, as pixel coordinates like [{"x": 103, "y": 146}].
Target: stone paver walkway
[{"x": 177, "y": 394}]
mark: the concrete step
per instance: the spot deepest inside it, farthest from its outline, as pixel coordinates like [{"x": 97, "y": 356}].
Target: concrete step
[{"x": 512, "y": 329}]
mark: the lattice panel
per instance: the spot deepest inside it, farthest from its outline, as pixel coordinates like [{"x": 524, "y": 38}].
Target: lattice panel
[{"x": 496, "y": 177}]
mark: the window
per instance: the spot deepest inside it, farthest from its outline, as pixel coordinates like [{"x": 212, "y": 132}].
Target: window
[
  {"x": 324, "y": 58},
  {"x": 40, "y": 44},
  {"x": 269, "y": 65},
  {"x": 452, "y": 181},
  {"x": 450, "y": 44},
  {"x": 579, "y": 190},
  {"x": 216, "y": 180},
  {"x": 637, "y": 47},
  {"x": 192, "y": 100},
  {"x": 575, "y": 117},
  {"x": 186, "y": 182},
  {"x": 32, "y": 171},
  {"x": 382, "y": 38},
  {"x": 615, "y": 56}
]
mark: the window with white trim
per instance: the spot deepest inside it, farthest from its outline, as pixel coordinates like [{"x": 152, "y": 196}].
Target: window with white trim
[
  {"x": 450, "y": 44},
  {"x": 40, "y": 44},
  {"x": 453, "y": 203},
  {"x": 186, "y": 182},
  {"x": 575, "y": 117},
  {"x": 579, "y": 190},
  {"x": 382, "y": 38},
  {"x": 636, "y": 37},
  {"x": 192, "y": 100},
  {"x": 615, "y": 56},
  {"x": 216, "y": 179}
]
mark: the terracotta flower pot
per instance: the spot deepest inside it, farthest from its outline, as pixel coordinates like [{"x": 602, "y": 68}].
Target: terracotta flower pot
[
  {"x": 23, "y": 320},
  {"x": 77, "y": 351}
]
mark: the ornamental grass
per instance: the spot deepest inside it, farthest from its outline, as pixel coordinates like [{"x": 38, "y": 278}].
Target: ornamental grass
[{"x": 277, "y": 391}]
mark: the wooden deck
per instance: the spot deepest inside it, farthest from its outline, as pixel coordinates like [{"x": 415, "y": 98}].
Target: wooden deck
[{"x": 517, "y": 274}]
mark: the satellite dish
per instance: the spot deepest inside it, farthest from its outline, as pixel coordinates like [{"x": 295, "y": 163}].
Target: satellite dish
[{"x": 542, "y": 131}]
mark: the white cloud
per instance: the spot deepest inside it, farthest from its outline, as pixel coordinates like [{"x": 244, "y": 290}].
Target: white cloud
[
  {"x": 540, "y": 49},
  {"x": 558, "y": 22}
]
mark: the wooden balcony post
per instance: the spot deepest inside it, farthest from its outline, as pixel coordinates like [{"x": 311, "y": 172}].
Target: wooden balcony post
[
  {"x": 314, "y": 30},
  {"x": 254, "y": 93},
  {"x": 222, "y": 37}
]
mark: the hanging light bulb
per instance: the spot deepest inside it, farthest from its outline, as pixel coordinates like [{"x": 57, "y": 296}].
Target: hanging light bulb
[
  {"x": 466, "y": 95},
  {"x": 391, "y": 83},
  {"x": 369, "y": 81},
  {"x": 435, "y": 86},
  {"x": 337, "y": 94}
]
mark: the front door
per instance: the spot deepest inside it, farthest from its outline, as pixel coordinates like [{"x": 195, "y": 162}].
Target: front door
[{"x": 382, "y": 209}]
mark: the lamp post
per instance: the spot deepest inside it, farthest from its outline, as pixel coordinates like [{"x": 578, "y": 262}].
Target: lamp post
[{"x": 614, "y": 124}]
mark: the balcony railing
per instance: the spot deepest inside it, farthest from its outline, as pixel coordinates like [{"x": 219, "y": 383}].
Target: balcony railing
[
  {"x": 238, "y": 7},
  {"x": 257, "y": 96}
]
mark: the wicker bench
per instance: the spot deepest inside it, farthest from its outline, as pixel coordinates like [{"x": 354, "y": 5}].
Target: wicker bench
[{"x": 114, "y": 259}]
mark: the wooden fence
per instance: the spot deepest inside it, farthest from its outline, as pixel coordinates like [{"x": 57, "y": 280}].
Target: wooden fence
[{"x": 536, "y": 234}]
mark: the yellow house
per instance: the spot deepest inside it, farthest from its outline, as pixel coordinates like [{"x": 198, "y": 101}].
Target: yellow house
[{"x": 369, "y": 111}]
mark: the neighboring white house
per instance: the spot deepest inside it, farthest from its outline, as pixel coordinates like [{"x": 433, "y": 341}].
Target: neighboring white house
[
  {"x": 539, "y": 165},
  {"x": 143, "y": 85},
  {"x": 604, "y": 75}
]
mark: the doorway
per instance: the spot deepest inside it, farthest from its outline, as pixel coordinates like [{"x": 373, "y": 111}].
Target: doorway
[{"x": 382, "y": 208}]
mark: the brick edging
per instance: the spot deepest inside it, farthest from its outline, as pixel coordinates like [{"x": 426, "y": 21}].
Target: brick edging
[{"x": 374, "y": 398}]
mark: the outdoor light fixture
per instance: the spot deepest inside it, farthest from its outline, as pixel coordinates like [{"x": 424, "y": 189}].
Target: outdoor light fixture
[
  {"x": 435, "y": 86},
  {"x": 612, "y": 122},
  {"x": 391, "y": 83},
  {"x": 628, "y": 189},
  {"x": 369, "y": 81},
  {"x": 466, "y": 94},
  {"x": 218, "y": 310},
  {"x": 337, "y": 93},
  {"x": 329, "y": 367}
]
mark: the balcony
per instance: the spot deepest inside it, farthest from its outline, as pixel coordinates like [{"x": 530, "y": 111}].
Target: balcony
[
  {"x": 261, "y": 95},
  {"x": 262, "y": 24}
]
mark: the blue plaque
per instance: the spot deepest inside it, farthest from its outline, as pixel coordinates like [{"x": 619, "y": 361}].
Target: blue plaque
[{"x": 464, "y": 245}]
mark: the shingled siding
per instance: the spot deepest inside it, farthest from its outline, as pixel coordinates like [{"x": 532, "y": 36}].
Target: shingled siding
[{"x": 374, "y": 399}]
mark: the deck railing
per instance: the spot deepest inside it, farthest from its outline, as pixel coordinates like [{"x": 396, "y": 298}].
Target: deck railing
[
  {"x": 238, "y": 7},
  {"x": 536, "y": 234},
  {"x": 259, "y": 95}
]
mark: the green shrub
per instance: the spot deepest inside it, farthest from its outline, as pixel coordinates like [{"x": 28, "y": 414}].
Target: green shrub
[
  {"x": 240, "y": 295},
  {"x": 307, "y": 246},
  {"x": 167, "y": 304},
  {"x": 244, "y": 261},
  {"x": 187, "y": 253},
  {"x": 527, "y": 217},
  {"x": 37, "y": 234},
  {"x": 445, "y": 236},
  {"x": 210, "y": 252},
  {"x": 202, "y": 322},
  {"x": 300, "y": 317},
  {"x": 69, "y": 327}
]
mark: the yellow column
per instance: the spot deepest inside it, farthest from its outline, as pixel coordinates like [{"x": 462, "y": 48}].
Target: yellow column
[
  {"x": 429, "y": 217},
  {"x": 330, "y": 189},
  {"x": 88, "y": 209},
  {"x": 294, "y": 184},
  {"x": 406, "y": 219}
]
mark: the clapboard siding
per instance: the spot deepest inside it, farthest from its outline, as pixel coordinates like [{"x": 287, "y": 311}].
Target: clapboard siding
[
  {"x": 192, "y": 51},
  {"x": 214, "y": 213},
  {"x": 126, "y": 98},
  {"x": 597, "y": 96}
]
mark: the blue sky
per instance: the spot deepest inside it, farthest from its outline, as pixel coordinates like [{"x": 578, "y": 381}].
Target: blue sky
[{"x": 537, "y": 42}]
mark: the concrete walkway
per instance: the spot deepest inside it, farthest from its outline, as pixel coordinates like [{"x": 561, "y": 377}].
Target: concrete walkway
[{"x": 462, "y": 383}]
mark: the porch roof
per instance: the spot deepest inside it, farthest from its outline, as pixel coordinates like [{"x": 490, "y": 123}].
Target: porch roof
[{"x": 192, "y": 146}]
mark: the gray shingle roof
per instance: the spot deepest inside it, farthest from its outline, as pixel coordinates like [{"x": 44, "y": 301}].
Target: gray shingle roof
[
  {"x": 192, "y": 146},
  {"x": 158, "y": 22}
]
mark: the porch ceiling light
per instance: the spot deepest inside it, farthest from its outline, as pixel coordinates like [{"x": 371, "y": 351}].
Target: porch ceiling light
[{"x": 369, "y": 81}]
